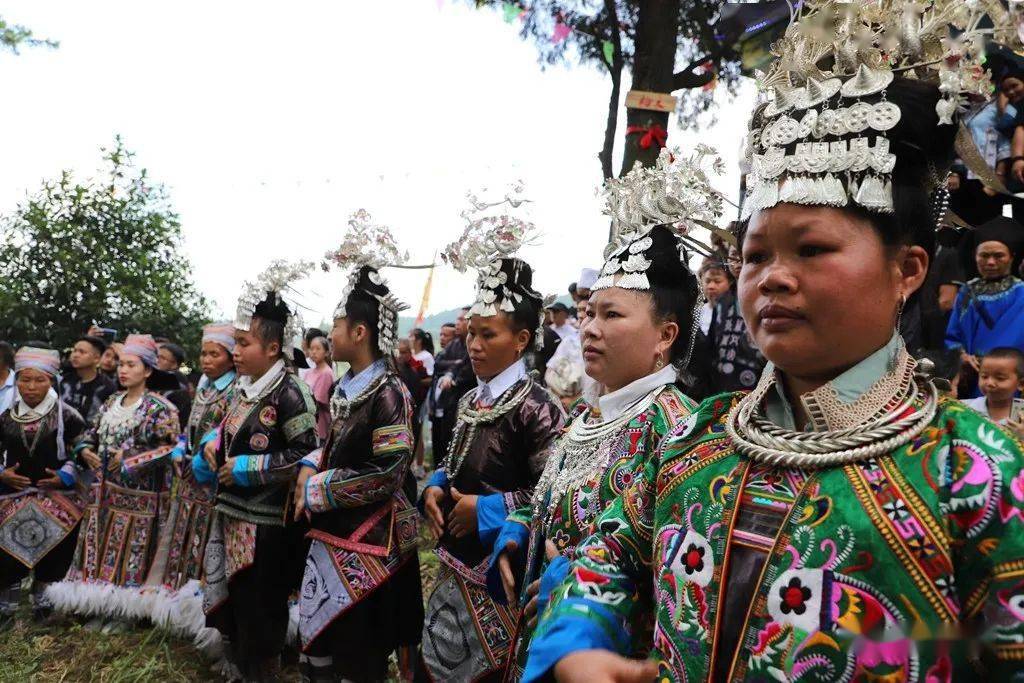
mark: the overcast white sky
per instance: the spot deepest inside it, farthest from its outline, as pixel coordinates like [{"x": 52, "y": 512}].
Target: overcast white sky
[{"x": 271, "y": 122}]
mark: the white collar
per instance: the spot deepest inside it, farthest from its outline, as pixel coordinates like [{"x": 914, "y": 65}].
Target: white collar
[
  {"x": 21, "y": 409},
  {"x": 613, "y": 404},
  {"x": 489, "y": 392},
  {"x": 251, "y": 389}
]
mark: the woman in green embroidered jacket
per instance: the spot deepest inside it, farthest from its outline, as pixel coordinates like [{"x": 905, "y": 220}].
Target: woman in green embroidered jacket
[
  {"x": 637, "y": 336},
  {"x": 841, "y": 522}
]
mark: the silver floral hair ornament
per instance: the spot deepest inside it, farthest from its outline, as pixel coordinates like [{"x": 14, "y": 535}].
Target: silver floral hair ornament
[
  {"x": 367, "y": 244},
  {"x": 817, "y": 141},
  {"x": 676, "y": 193},
  {"x": 493, "y": 235},
  {"x": 271, "y": 287}
]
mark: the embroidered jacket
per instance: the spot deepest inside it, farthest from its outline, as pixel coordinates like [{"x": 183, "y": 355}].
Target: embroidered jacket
[
  {"x": 622, "y": 457},
  {"x": 878, "y": 570},
  {"x": 267, "y": 436},
  {"x": 144, "y": 442},
  {"x": 18, "y": 438},
  {"x": 361, "y": 499}
]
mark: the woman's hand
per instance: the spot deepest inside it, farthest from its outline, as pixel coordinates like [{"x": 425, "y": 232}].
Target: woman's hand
[
  {"x": 11, "y": 477},
  {"x": 114, "y": 461},
  {"x": 533, "y": 590},
  {"x": 1017, "y": 171},
  {"x": 601, "y": 666},
  {"x": 432, "y": 498},
  {"x": 224, "y": 473},
  {"x": 300, "y": 490},
  {"x": 1016, "y": 426},
  {"x": 52, "y": 482},
  {"x": 508, "y": 578},
  {"x": 462, "y": 518},
  {"x": 210, "y": 454},
  {"x": 90, "y": 458}
]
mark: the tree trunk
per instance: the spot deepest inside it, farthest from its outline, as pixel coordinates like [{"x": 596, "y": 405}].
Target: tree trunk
[
  {"x": 653, "y": 68},
  {"x": 615, "y": 69}
]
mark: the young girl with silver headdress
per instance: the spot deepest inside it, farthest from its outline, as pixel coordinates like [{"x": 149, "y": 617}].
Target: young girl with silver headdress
[
  {"x": 254, "y": 555},
  {"x": 39, "y": 506},
  {"x": 361, "y": 597},
  {"x": 638, "y": 334},
  {"x": 496, "y": 455},
  {"x": 842, "y": 521}
]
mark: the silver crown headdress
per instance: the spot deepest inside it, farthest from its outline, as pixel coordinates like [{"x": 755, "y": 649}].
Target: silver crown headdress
[
  {"x": 835, "y": 54},
  {"x": 676, "y": 193},
  {"x": 271, "y": 285},
  {"x": 492, "y": 235},
  {"x": 369, "y": 244}
]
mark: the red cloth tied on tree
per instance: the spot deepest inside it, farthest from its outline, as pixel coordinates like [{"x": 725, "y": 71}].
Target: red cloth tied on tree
[{"x": 654, "y": 134}]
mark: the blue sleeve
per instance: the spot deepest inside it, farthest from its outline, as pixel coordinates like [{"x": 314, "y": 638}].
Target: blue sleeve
[
  {"x": 201, "y": 470},
  {"x": 68, "y": 474},
  {"x": 568, "y": 635},
  {"x": 510, "y": 531},
  {"x": 440, "y": 479},
  {"x": 178, "y": 452},
  {"x": 954, "y": 329},
  {"x": 208, "y": 437},
  {"x": 244, "y": 467},
  {"x": 490, "y": 517},
  {"x": 551, "y": 579}
]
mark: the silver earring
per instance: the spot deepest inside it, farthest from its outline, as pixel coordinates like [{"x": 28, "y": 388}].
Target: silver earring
[
  {"x": 659, "y": 364},
  {"x": 899, "y": 311}
]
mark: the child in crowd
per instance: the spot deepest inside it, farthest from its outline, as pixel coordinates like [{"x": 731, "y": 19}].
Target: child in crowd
[{"x": 1001, "y": 378}]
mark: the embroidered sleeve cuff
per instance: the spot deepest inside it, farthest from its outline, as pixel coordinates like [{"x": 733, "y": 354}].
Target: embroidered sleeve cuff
[
  {"x": 313, "y": 461},
  {"x": 566, "y": 632},
  {"x": 135, "y": 463},
  {"x": 490, "y": 517},
  {"x": 250, "y": 470},
  {"x": 201, "y": 470},
  {"x": 512, "y": 530},
  {"x": 318, "y": 492}
]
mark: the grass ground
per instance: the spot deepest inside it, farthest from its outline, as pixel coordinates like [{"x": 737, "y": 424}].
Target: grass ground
[{"x": 63, "y": 650}]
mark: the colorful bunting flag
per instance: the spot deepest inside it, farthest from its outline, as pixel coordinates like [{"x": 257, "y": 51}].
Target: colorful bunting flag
[
  {"x": 609, "y": 51},
  {"x": 511, "y": 11}
]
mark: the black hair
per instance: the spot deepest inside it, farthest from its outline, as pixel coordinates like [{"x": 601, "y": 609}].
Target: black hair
[
  {"x": 312, "y": 333},
  {"x": 424, "y": 338},
  {"x": 96, "y": 342},
  {"x": 451, "y": 325},
  {"x": 1008, "y": 353},
  {"x": 363, "y": 308},
  {"x": 7, "y": 355},
  {"x": 526, "y": 312},
  {"x": 268, "y": 331},
  {"x": 176, "y": 351},
  {"x": 674, "y": 291}
]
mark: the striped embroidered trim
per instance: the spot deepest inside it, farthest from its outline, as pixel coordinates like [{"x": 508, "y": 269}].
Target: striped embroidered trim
[
  {"x": 299, "y": 424},
  {"x": 897, "y": 545},
  {"x": 318, "y": 493},
  {"x": 134, "y": 462},
  {"x": 391, "y": 439}
]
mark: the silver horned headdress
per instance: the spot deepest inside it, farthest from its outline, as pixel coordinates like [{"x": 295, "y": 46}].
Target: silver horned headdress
[
  {"x": 271, "y": 287},
  {"x": 493, "y": 236},
  {"x": 821, "y": 140},
  {"x": 676, "y": 193},
  {"x": 370, "y": 245}
]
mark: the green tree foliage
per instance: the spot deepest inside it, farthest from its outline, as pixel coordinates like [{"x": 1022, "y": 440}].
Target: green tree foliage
[
  {"x": 104, "y": 250},
  {"x": 13, "y": 37}
]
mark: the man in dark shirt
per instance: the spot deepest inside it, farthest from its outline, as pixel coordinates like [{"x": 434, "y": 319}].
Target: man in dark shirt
[
  {"x": 453, "y": 377},
  {"x": 86, "y": 388}
]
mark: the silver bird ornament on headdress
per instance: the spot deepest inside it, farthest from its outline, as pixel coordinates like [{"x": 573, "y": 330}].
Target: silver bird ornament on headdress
[{"x": 369, "y": 244}]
